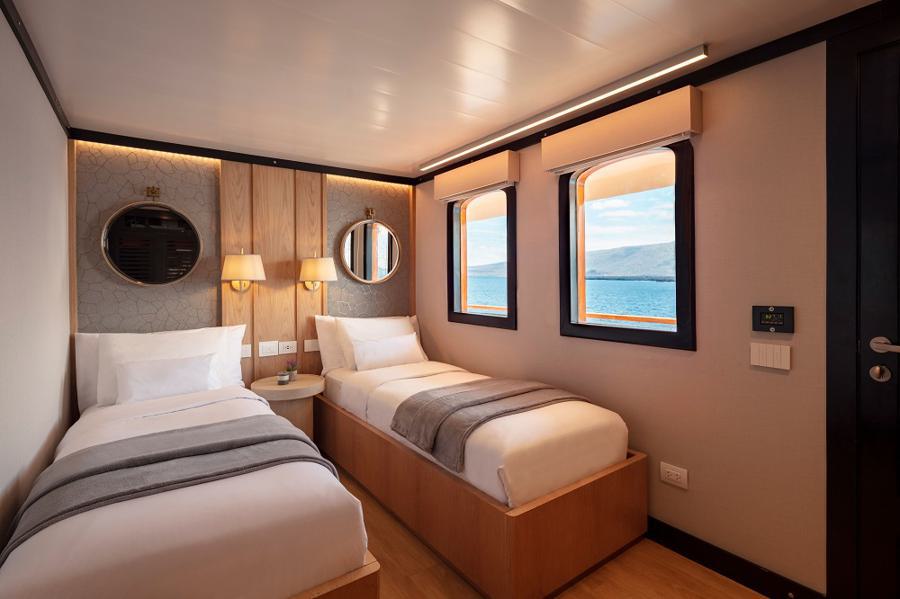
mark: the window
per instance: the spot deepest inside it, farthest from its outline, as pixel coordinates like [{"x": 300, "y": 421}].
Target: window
[
  {"x": 481, "y": 259},
  {"x": 626, "y": 249}
]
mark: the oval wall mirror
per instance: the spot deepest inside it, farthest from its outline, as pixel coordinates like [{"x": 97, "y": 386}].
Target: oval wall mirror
[
  {"x": 370, "y": 251},
  {"x": 149, "y": 243}
]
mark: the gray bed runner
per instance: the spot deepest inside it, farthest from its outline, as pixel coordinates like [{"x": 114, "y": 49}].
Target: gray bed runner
[
  {"x": 440, "y": 421},
  {"x": 158, "y": 462}
]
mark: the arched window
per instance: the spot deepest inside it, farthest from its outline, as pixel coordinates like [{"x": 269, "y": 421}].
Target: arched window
[
  {"x": 627, "y": 249},
  {"x": 481, "y": 259}
]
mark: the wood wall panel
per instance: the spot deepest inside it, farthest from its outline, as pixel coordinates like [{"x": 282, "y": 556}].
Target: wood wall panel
[
  {"x": 282, "y": 215},
  {"x": 274, "y": 316},
  {"x": 236, "y": 230},
  {"x": 310, "y": 242}
]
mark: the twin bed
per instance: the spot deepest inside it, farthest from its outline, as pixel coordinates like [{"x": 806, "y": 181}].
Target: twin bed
[
  {"x": 287, "y": 530},
  {"x": 540, "y": 495},
  {"x": 543, "y": 494},
  {"x": 513, "y": 459}
]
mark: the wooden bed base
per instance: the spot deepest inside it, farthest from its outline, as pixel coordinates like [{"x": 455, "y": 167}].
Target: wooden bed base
[
  {"x": 361, "y": 583},
  {"x": 528, "y": 551}
]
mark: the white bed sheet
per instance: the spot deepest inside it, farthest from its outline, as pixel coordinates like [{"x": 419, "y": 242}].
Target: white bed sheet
[
  {"x": 270, "y": 533},
  {"x": 515, "y": 458}
]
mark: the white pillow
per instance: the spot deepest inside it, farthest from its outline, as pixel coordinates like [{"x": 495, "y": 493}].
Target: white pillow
[
  {"x": 391, "y": 351},
  {"x": 223, "y": 342},
  {"x": 369, "y": 329},
  {"x": 329, "y": 346},
  {"x": 151, "y": 379},
  {"x": 330, "y": 350},
  {"x": 87, "y": 346}
]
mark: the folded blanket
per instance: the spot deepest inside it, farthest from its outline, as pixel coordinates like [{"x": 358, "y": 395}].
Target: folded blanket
[
  {"x": 440, "y": 421},
  {"x": 158, "y": 462}
]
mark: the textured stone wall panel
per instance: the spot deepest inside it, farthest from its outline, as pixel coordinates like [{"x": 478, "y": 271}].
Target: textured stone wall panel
[
  {"x": 348, "y": 199},
  {"x": 110, "y": 177}
]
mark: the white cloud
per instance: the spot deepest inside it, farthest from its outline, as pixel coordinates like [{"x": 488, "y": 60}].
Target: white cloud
[
  {"x": 622, "y": 214},
  {"x": 609, "y": 203}
]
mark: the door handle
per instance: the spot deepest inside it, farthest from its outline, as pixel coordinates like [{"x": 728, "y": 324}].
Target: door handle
[{"x": 882, "y": 345}]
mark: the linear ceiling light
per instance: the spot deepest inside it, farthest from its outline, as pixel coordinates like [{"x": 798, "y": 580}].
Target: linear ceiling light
[{"x": 658, "y": 70}]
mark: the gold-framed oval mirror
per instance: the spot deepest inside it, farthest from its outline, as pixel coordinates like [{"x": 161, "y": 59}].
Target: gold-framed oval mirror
[
  {"x": 370, "y": 251},
  {"x": 149, "y": 243}
]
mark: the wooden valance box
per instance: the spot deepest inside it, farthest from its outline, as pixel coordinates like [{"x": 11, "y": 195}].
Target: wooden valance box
[{"x": 522, "y": 552}]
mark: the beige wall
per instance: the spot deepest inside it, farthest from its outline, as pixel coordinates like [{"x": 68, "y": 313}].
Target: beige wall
[
  {"x": 752, "y": 439},
  {"x": 34, "y": 297}
]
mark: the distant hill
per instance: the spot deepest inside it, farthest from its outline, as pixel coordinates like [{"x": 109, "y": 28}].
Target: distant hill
[{"x": 653, "y": 261}]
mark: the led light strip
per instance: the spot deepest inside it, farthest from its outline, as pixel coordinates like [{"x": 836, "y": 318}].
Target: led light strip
[{"x": 658, "y": 70}]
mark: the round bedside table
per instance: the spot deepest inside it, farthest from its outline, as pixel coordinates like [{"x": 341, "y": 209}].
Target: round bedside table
[{"x": 294, "y": 400}]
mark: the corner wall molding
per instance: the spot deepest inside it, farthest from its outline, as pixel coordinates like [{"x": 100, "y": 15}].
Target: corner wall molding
[
  {"x": 18, "y": 27},
  {"x": 165, "y": 146},
  {"x": 727, "y": 66},
  {"x": 727, "y": 564}
]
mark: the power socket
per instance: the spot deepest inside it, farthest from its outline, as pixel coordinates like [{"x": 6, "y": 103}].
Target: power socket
[
  {"x": 287, "y": 347},
  {"x": 673, "y": 475}
]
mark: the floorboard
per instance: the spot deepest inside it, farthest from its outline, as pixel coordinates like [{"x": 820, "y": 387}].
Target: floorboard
[{"x": 644, "y": 571}]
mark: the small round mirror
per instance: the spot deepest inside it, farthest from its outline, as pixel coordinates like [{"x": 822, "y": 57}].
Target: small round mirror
[
  {"x": 370, "y": 251},
  {"x": 150, "y": 244}
]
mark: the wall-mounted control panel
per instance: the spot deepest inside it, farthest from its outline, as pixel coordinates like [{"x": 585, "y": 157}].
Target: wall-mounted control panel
[
  {"x": 247, "y": 350},
  {"x": 773, "y": 319},
  {"x": 268, "y": 348},
  {"x": 275, "y": 348}
]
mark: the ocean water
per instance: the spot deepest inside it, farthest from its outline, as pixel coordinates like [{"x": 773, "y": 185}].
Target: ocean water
[{"x": 638, "y": 298}]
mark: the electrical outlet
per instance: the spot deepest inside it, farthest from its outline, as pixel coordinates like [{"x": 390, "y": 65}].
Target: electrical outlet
[
  {"x": 673, "y": 475},
  {"x": 247, "y": 350},
  {"x": 287, "y": 347},
  {"x": 310, "y": 345},
  {"x": 268, "y": 348}
]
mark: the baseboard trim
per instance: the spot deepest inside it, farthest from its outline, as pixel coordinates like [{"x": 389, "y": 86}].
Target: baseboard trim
[{"x": 727, "y": 564}]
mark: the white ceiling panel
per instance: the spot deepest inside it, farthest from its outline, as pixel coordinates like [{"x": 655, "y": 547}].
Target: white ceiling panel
[{"x": 377, "y": 85}]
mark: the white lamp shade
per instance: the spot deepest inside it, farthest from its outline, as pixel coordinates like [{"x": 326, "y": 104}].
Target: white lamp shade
[
  {"x": 243, "y": 267},
  {"x": 318, "y": 269}
]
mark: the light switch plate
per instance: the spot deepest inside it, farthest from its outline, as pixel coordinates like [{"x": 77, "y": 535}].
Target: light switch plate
[
  {"x": 268, "y": 348},
  {"x": 247, "y": 350},
  {"x": 287, "y": 347},
  {"x": 770, "y": 355},
  {"x": 310, "y": 345}
]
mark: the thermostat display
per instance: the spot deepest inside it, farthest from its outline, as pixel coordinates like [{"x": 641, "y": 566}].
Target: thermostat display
[{"x": 773, "y": 319}]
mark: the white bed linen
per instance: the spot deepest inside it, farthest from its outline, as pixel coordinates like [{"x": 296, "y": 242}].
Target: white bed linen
[
  {"x": 515, "y": 458},
  {"x": 269, "y": 533}
]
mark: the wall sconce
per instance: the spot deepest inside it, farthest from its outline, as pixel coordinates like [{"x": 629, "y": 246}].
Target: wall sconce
[
  {"x": 242, "y": 268},
  {"x": 313, "y": 271}
]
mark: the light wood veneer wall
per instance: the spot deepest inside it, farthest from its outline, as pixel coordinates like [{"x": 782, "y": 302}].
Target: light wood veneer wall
[{"x": 280, "y": 214}]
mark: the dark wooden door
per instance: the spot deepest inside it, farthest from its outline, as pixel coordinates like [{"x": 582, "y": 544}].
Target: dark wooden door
[{"x": 864, "y": 154}]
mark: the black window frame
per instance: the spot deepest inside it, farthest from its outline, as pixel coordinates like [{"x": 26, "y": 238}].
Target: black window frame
[
  {"x": 685, "y": 338},
  {"x": 510, "y": 321}
]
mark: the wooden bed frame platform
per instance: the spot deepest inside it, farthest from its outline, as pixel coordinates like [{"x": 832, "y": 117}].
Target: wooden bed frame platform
[
  {"x": 361, "y": 583},
  {"x": 528, "y": 551}
]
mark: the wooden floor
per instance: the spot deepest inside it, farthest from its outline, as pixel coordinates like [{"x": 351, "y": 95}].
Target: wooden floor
[{"x": 646, "y": 570}]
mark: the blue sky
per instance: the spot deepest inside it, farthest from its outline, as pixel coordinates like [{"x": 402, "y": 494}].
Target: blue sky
[
  {"x": 486, "y": 241},
  {"x": 633, "y": 219}
]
